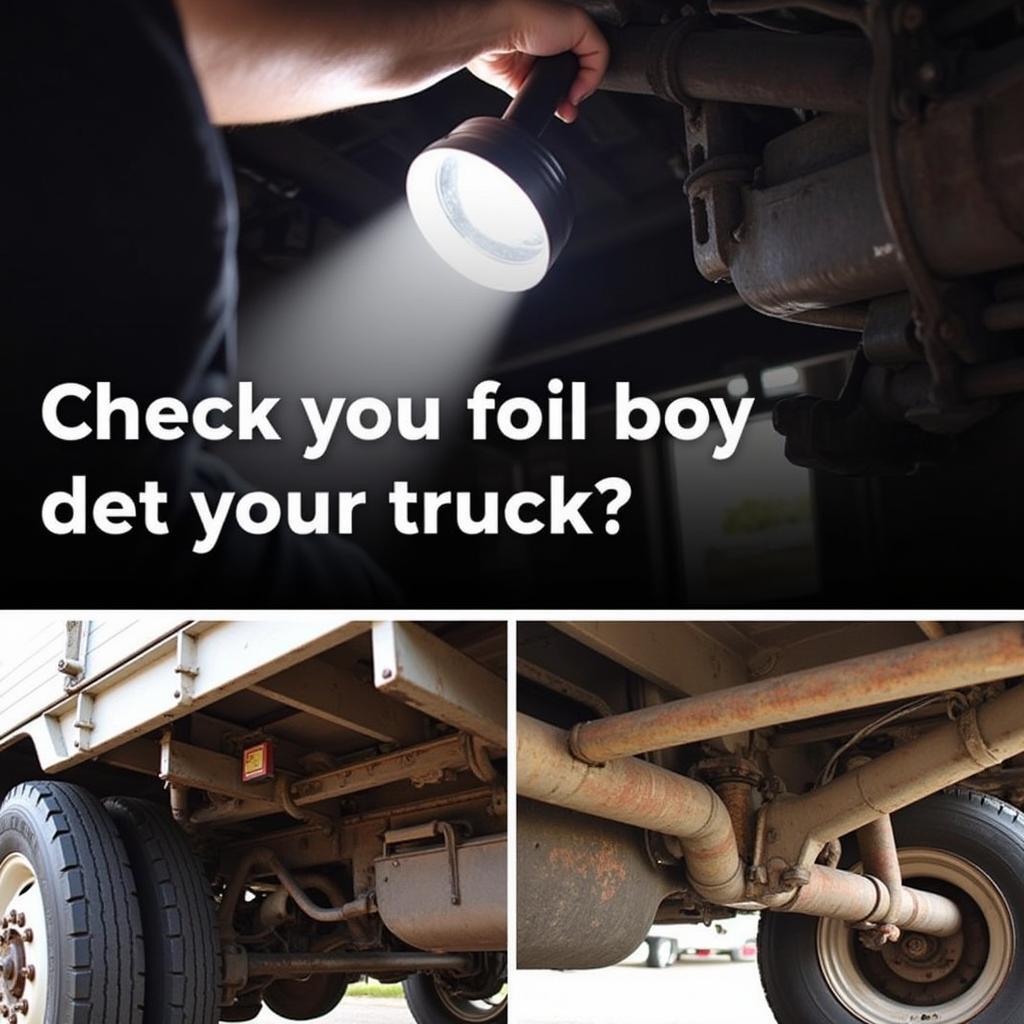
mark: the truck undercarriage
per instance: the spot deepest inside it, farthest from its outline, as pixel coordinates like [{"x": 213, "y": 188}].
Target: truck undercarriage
[
  {"x": 858, "y": 166},
  {"x": 691, "y": 771},
  {"x": 301, "y": 804}
]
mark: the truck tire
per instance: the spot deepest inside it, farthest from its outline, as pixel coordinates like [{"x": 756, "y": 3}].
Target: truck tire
[
  {"x": 661, "y": 952},
  {"x": 72, "y": 925},
  {"x": 178, "y": 924},
  {"x": 961, "y": 843},
  {"x": 431, "y": 1001},
  {"x": 305, "y": 1000}
]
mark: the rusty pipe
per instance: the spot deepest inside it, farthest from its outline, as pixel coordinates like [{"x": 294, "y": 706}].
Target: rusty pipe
[
  {"x": 980, "y": 738},
  {"x": 270, "y": 863},
  {"x": 866, "y": 900},
  {"x": 964, "y": 659},
  {"x": 636, "y": 793},
  {"x": 642, "y": 794},
  {"x": 760, "y": 68},
  {"x": 881, "y": 860},
  {"x": 283, "y": 965}
]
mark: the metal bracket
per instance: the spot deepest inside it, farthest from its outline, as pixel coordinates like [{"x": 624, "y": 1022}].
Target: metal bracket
[
  {"x": 719, "y": 169},
  {"x": 186, "y": 668},
  {"x": 976, "y": 746},
  {"x": 428, "y": 831},
  {"x": 83, "y": 724},
  {"x": 478, "y": 759},
  {"x": 72, "y": 665}
]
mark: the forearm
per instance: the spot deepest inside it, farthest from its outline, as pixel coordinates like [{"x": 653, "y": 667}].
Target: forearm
[{"x": 271, "y": 60}]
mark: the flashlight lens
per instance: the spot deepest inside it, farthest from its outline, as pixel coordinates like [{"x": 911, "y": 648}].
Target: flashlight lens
[
  {"x": 489, "y": 209},
  {"x": 478, "y": 219}
]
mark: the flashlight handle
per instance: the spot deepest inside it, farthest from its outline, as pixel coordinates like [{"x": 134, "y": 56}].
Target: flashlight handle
[{"x": 546, "y": 85}]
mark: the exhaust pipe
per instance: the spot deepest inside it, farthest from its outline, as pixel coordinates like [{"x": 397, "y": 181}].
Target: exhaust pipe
[
  {"x": 966, "y": 659},
  {"x": 792, "y": 830},
  {"x": 642, "y": 794},
  {"x": 868, "y": 902},
  {"x": 635, "y": 793},
  {"x": 740, "y": 66}
]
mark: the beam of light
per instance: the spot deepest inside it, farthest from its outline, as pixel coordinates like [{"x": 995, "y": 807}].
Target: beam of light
[{"x": 377, "y": 314}]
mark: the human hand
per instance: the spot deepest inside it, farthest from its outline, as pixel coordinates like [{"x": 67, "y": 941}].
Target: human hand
[{"x": 543, "y": 28}]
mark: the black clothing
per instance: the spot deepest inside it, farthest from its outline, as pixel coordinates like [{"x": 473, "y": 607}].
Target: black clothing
[{"x": 119, "y": 265}]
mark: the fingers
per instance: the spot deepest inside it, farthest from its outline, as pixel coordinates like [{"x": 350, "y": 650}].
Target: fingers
[
  {"x": 567, "y": 111},
  {"x": 548, "y": 27},
  {"x": 591, "y": 48},
  {"x": 543, "y": 28}
]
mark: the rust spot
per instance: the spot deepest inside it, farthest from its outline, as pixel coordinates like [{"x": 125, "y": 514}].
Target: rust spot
[{"x": 602, "y": 863}]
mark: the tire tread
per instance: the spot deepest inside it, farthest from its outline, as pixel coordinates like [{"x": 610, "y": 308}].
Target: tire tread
[
  {"x": 178, "y": 916},
  {"x": 104, "y": 963}
]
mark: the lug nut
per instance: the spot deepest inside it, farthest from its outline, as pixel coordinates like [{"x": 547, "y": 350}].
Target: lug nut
[
  {"x": 22, "y": 1006},
  {"x": 28, "y": 972},
  {"x": 28, "y": 935},
  {"x": 21, "y": 920}
]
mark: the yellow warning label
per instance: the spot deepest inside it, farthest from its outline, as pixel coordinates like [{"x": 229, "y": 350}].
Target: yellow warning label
[{"x": 255, "y": 763}]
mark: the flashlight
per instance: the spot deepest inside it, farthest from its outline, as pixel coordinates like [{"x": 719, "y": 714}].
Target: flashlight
[{"x": 490, "y": 199}]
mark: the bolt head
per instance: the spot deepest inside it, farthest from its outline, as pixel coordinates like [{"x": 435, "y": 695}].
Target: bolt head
[{"x": 28, "y": 935}]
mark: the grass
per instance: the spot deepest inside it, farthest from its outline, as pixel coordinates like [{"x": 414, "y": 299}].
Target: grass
[{"x": 375, "y": 990}]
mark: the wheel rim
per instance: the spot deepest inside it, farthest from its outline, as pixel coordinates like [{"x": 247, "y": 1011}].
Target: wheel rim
[
  {"x": 23, "y": 952},
  {"x": 921, "y": 978},
  {"x": 472, "y": 1011}
]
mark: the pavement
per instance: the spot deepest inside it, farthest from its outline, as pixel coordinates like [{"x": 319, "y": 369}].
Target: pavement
[
  {"x": 689, "y": 992},
  {"x": 357, "y": 1010}
]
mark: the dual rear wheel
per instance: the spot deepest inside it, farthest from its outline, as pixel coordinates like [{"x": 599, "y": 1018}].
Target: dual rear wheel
[{"x": 106, "y": 917}]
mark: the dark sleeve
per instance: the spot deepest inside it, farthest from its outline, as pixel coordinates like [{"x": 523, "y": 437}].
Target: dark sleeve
[{"x": 118, "y": 238}]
